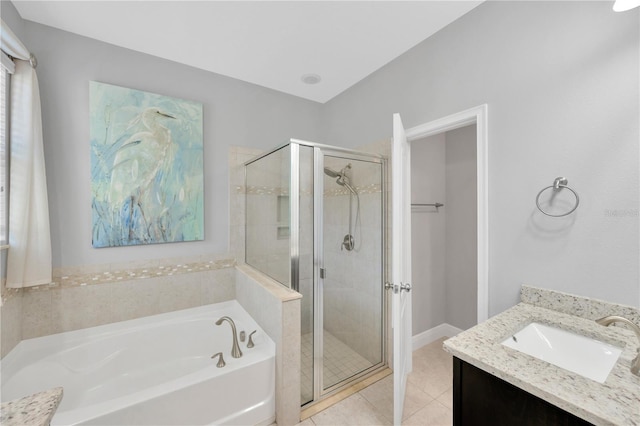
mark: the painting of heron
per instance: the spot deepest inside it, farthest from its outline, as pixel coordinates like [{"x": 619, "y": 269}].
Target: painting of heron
[{"x": 146, "y": 167}]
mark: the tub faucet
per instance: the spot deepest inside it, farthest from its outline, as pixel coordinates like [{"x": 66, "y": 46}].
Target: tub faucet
[
  {"x": 606, "y": 321},
  {"x": 235, "y": 350}
]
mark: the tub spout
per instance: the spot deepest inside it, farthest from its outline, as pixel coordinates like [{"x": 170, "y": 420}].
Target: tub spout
[{"x": 235, "y": 350}]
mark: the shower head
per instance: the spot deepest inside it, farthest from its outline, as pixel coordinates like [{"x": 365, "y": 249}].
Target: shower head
[
  {"x": 331, "y": 173},
  {"x": 342, "y": 178}
]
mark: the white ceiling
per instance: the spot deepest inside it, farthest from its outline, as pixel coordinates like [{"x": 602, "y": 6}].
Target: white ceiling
[{"x": 268, "y": 43}]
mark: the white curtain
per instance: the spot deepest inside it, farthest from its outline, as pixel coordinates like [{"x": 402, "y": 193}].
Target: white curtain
[{"x": 29, "y": 256}]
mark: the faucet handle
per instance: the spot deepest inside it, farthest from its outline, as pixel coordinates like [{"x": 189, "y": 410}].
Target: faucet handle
[
  {"x": 243, "y": 336},
  {"x": 221, "y": 362},
  {"x": 250, "y": 344}
]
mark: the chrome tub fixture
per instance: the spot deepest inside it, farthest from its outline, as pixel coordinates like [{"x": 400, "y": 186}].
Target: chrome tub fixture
[
  {"x": 235, "y": 349},
  {"x": 221, "y": 362}
]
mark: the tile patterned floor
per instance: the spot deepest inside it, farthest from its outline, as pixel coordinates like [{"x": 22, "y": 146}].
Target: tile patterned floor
[
  {"x": 340, "y": 362},
  {"x": 428, "y": 400}
]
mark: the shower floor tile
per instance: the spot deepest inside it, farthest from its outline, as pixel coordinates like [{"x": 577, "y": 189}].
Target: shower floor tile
[{"x": 340, "y": 363}]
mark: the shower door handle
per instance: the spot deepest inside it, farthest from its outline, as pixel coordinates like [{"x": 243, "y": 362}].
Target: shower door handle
[
  {"x": 323, "y": 273},
  {"x": 397, "y": 289}
]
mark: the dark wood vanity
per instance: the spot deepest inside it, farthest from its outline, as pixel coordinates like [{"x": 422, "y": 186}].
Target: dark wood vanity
[{"x": 480, "y": 398}]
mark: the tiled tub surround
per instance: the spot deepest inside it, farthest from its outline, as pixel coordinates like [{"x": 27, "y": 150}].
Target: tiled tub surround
[
  {"x": 615, "y": 402},
  {"x": 277, "y": 310},
  {"x": 10, "y": 320},
  {"x": 82, "y": 297}
]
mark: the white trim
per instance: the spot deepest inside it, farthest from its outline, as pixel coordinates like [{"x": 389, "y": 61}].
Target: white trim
[
  {"x": 479, "y": 116},
  {"x": 433, "y": 334}
]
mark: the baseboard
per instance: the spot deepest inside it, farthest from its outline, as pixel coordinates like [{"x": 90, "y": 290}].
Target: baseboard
[{"x": 433, "y": 334}]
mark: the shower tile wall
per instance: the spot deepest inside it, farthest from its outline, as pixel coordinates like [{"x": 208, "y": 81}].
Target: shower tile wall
[
  {"x": 267, "y": 213},
  {"x": 268, "y": 221},
  {"x": 383, "y": 147},
  {"x": 353, "y": 283},
  {"x": 237, "y": 192}
]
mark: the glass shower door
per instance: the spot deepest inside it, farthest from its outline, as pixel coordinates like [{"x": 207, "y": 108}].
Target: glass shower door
[{"x": 352, "y": 264}]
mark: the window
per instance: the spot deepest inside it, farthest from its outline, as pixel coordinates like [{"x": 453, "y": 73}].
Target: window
[{"x": 4, "y": 157}]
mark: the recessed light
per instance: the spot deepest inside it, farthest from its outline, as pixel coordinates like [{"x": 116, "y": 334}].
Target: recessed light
[{"x": 311, "y": 79}]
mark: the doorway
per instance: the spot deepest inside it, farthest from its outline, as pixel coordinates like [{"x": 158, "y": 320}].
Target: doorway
[
  {"x": 402, "y": 235},
  {"x": 477, "y": 117},
  {"x": 444, "y": 234}
]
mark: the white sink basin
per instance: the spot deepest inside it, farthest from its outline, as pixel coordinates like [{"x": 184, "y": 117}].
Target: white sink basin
[{"x": 579, "y": 354}]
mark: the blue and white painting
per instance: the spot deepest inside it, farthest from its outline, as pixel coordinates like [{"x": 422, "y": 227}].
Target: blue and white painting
[{"x": 146, "y": 167}]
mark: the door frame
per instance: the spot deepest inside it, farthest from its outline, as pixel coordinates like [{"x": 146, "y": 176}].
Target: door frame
[{"x": 479, "y": 116}]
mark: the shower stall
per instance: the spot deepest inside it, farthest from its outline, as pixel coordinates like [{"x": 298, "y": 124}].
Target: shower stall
[{"x": 315, "y": 223}]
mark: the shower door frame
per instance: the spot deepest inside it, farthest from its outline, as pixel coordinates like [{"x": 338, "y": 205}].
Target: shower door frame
[{"x": 319, "y": 152}]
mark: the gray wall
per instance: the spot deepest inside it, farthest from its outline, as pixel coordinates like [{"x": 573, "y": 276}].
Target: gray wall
[
  {"x": 561, "y": 82},
  {"x": 443, "y": 241},
  {"x": 461, "y": 228},
  {"x": 235, "y": 113},
  {"x": 428, "y": 239},
  {"x": 12, "y": 18}
]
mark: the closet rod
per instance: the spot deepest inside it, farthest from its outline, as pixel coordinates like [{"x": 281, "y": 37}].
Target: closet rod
[{"x": 436, "y": 205}]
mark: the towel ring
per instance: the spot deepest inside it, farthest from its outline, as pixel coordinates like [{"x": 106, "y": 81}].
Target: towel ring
[{"x": 559, "y": 183}]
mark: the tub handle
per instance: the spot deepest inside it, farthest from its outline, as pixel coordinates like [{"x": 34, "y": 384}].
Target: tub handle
[
  {"x": 250, "y": 344},
  {"x": 221, "y": 362}
]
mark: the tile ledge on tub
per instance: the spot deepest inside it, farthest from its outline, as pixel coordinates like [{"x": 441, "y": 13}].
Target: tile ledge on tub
[{"x": 285, "y": 294}]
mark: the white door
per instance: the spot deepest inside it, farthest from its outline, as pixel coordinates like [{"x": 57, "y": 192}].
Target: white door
[{"x": 401, "y": 265}]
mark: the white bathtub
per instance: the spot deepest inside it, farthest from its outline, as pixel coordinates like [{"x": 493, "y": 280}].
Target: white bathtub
[{"x": 151, "y": 371}]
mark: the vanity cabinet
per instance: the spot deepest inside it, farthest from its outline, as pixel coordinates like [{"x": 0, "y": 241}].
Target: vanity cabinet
[{"x": 480, "y": 398}]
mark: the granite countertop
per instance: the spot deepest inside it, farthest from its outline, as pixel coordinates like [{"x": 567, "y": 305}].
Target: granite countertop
[
  {"x": 615, "y": 402},
  {"x": 36, "y": 409}
]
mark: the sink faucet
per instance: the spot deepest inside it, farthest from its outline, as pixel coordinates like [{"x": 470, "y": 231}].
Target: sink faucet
[
  {"x": 235, "y": 350},
  {"x": 606, "y": 321}
]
